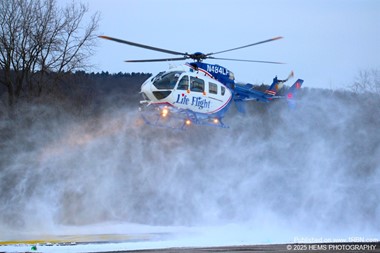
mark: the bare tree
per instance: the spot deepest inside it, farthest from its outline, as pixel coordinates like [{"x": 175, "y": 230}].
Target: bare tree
[
  {"x": 367, "y": 81},
  {"x": 38, "y": 38}
]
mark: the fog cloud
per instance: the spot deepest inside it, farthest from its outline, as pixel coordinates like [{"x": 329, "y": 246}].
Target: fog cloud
[{"x": 310, "y": 170}]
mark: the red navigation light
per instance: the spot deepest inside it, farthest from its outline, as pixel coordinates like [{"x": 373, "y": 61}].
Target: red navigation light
[{"x": 290, "y": 95}]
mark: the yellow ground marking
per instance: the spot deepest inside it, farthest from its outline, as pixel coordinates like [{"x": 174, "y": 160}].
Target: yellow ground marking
[{"x": 80, "y": 239}]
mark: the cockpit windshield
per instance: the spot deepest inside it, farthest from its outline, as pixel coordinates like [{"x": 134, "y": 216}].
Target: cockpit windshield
[{"x": 167, "y": 81}]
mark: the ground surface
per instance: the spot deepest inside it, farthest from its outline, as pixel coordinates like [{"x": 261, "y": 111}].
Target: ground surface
[
  {"x": 103, "y": 246},
  {"x": 338, "y": 247}
]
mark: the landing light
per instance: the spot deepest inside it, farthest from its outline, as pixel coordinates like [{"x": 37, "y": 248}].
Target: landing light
[
  {"x": 216, "y": 121},
  {"x": 188, "y": 122},
  {"x": 164, "y": 112}
]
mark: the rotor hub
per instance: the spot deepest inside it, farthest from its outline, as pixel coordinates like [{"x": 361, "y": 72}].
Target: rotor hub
[{"x": 198, "y": 56}]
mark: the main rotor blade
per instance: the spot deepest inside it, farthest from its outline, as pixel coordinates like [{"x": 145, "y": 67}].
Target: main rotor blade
[
  {"x": 254, "y": 44},
  {"x": 158, "y": 60},
  {"x": 228, "y": 59},
  {"x": 143, "y": 46}
]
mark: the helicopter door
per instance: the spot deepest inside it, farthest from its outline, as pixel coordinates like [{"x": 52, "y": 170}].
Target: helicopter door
[
  {"x": 183, "y": 84},
  {"x": 212, "y": 88},
  {"x": 197, "y": 84}
]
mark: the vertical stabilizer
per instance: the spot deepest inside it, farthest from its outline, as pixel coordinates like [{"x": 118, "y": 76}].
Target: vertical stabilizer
[{"x": 277, "y": 85}]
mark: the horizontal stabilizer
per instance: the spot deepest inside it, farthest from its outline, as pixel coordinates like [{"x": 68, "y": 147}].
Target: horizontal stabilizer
[{"x": 246, "y": 92}]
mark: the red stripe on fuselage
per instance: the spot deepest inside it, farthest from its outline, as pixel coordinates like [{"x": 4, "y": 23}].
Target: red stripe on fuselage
[
  {"x": 202, "y": 70},
  {"x": 271, "y": 92},
  {"x": 220, "y": 108}
]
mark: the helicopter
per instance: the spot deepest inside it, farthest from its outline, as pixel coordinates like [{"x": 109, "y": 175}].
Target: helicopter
[{"x": 200, "y": 93}]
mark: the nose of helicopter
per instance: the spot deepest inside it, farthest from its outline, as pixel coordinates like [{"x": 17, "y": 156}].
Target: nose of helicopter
[
  {"x": 152, "y": 92},
  {"x": 146, "y": 90}
]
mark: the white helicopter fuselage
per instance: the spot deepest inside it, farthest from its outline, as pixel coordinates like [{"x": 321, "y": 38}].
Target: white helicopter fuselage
[
  {"x": 199, "y": 92},
  {"x": 188, "y": 89}
]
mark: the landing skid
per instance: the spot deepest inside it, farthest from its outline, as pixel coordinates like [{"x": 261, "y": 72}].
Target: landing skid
[{"x": 175, "y": 118}]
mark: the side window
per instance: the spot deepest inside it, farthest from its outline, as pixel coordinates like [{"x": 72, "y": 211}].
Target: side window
[
  {"x": 223, "y": 90},
  {"x": 197, "y": 84},
  {"x": 183, "y": 83},
  {"x": 213, "y": 88}
]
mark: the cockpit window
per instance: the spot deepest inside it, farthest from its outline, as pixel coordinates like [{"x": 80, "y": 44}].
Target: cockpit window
[
  {"x": 183, "y": 83},
  {"x": 197, "y": 84},
  {"x": 166, "y": 81}
]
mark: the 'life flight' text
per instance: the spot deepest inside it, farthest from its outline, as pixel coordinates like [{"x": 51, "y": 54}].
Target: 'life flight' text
[{"x": 199, "y": 102}]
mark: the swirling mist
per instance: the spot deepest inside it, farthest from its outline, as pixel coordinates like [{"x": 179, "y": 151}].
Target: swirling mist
[{"x": 310, "y": 170}]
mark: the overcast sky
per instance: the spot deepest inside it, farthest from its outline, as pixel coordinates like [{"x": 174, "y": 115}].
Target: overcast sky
[{"x": 326, "y": 42}]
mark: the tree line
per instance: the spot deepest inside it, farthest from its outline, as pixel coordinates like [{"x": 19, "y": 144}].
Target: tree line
[
  {"x": 45, "y": 48},
  {"x": 37, "y": 38}
]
